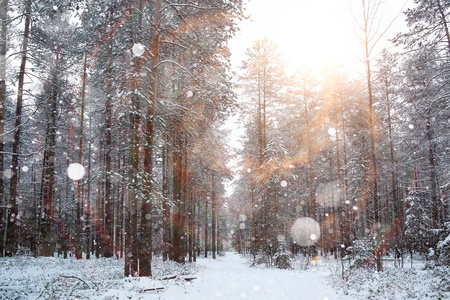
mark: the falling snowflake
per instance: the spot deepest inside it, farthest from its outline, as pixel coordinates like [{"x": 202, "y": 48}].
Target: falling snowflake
[
  {"x": 8, "y": 174},
  {"x": 76, "y": 171},
  {"x": 138, "y": 49}
]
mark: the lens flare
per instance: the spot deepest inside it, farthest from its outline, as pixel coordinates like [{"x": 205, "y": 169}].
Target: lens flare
[
  {"x": 332, "y": 131},
  {"x": 138, "y": 49},
  {"x": 305, "y": 232}
]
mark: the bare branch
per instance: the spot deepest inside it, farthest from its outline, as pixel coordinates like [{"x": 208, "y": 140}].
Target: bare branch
[
  {"x": 176, "y": 44},
  {"x": 20, "y": 154},
  {"x": 174, "y": 6},
  {"x": 177, "y": 64},
  {"x": 74, "y": 277},
  {"x": 15, "y": 128}
]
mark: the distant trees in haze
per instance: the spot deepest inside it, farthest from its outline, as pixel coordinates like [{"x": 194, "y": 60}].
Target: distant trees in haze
[{"x": 367, "y": 159}]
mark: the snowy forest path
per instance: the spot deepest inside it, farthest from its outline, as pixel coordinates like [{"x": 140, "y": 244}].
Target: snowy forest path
[{"x": 230, "y": 277}]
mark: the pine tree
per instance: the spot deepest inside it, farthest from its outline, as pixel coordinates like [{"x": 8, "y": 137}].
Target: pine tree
[
  {"x": 3, "y": 49},
  {"x": 262, "y": 80},
  {"x": 416, "y": 223},
  {"x": 13, "y": 212}
]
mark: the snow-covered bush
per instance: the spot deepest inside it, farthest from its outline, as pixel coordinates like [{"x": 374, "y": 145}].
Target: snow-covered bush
[
  {"x": 261, "y": 258},
  {"x": 416, "y": 223},
  {"x": 442, "y": 285},
  {"x": 361, "y": 254},
  {"x": 395, "y": 283},
  {"x": 283, "y": 258},
  {"x": 443, "y": 247}
]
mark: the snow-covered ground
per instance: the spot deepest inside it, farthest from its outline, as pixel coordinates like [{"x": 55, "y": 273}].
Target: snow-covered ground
[
  {"x": 230, "y": 277},
  {"x": 227, "y": 277}
]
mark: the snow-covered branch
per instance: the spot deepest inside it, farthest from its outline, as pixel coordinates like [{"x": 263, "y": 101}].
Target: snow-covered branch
[
  {"x": 175, "y": 44},
  {"x": 184, "y": 5},
  {"x": 177, "y": 64}
]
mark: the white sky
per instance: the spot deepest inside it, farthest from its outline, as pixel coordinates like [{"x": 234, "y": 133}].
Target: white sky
[{"x": 313, "y": 32}]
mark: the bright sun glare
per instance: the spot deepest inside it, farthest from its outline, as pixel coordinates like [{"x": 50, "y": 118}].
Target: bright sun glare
[
  {"x": 314, "y": 36},
  {"x": 313, "y": 33}
]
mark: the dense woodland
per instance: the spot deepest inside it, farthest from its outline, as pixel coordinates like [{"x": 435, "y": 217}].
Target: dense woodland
[
  {"x": 134, "y": 91},
  {"x": 137, "y": 93},
  {"x": 366, "y": 158}
]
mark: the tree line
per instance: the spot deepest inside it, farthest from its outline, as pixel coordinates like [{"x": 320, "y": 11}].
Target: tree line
[
  {"x": 110, "y": 116},
  {"x": 366, "y": 158}
]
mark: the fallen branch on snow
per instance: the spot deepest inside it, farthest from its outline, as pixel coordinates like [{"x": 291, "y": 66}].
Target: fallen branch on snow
[
  {"x": 155, "y": 289},
  {"x": 66, "y": 277}
]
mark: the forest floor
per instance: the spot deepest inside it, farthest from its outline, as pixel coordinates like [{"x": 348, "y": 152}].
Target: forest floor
[{"x": 228, "y": 277}]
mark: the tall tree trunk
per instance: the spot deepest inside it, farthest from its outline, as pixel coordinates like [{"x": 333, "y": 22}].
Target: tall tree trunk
[
  {"x": 197, "y": 220},
  {"x": 369, "y": 10},
  {"x": 118, "y": 213},
  {"x": 260, "y": 130},
  {"x": 333, "y": 207},
  {"x": 98, "y": 223},
  {"x": 185, "y": 197},
  {"x": 3, "y": 48},
  {"x": 166, "y": 207},
  {"x": 107, "y": 236},
  {"x": 254, "y": 221},
  {"x": 190, "y": 214},
  {"x": 88, "y": 205},
  {"x": 178, "y": 226},
  {"x": 13, "y": 212},
  {"x": 131, "y": 248},
  {"x": 344, "y": 189},
  {"x": 341, "y": 205},
  {"x": 80, "y": 232},
  {"x": 193, "y": 228},
  {"x": 374, "y": 173},
  {"x": 134, "y": 194},
  {"x": 437, "y": 222},
  {"x": 213, "y": 217},
  {"x": 312, "y": 192},
  {"x": 147, "y": 222},
  {"x": 264, "y": 119},
  {"x": 206, "y": 227},
  {"x": 397, "y": 203},
  {"x": 47, "y": 242},
  {"x": 218, "y": 238},
  {"x": 258, "y": 211}
]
